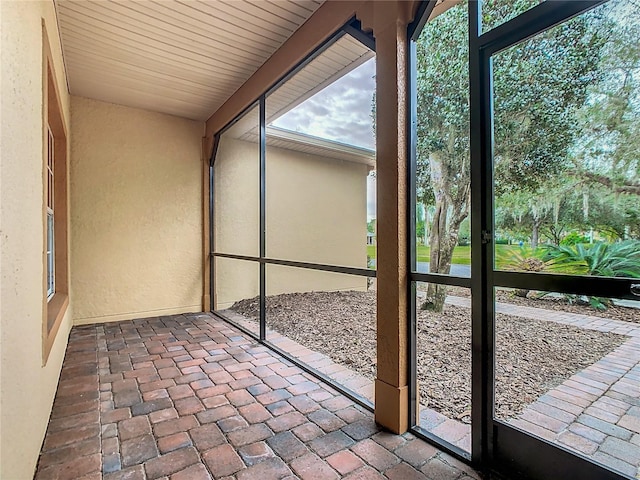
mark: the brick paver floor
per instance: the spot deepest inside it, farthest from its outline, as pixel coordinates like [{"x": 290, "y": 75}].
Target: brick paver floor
[
  {"x": 453, "y": 431},
  {"x": 188, "y": 397},
  {"x": 596, "y": 412}
]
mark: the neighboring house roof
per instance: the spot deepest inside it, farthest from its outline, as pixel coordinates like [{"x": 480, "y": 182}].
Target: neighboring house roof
[{"x": 301, "y": 142}]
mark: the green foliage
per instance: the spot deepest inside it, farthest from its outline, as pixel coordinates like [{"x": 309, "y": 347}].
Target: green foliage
[
  {"x": 574, "y": 238},
  {"x": 371, "y": 226},
  {"x": 620, "y": 259},
  {"x": 522, "y": 259}
]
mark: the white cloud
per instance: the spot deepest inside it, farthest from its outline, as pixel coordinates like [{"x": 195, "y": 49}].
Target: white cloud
[{"x": 340, "y": 112}]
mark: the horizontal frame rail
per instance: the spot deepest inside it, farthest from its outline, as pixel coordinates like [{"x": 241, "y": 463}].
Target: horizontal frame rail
[{"x": 363, "y": 272}]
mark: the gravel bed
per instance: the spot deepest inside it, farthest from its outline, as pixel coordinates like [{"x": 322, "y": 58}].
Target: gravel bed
[{"x": 531, "y": 356}]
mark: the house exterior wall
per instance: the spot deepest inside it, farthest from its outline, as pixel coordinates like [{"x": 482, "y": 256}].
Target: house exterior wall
[
  {"x": 136, "y": 212},
  {"x": 315, "y": 212},
  {"x": 27, "y": 383}
]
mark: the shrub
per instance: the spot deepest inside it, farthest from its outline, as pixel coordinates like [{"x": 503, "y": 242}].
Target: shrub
[
  {"x": 574, "y": 238},
  {"x": 522, "y": 259},
  {"x": 621, "y": 259}
]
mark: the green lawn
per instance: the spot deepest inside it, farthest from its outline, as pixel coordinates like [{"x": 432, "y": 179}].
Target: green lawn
[{"x": 461, "y": 255}]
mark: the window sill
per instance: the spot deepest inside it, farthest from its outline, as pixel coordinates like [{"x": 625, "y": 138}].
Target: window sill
[{"x": 56, "y": 308}]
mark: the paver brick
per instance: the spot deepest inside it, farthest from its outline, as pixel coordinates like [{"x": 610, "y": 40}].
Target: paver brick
[
  {"x": 270, "y": 469},
  {"x": 72, "y": 468},
  {"x": 375, "y": 455},
  {"x": 330, "y": 443},
  {"x": 344, "y": 462},
  {"x": 274, "y": 396},
  {"x": 188, "y": 406},
  {"x": 578, "y": 442},
  {"x": 147, "y": 407},
  {"x": 287, "y": 446},
  {"x": 133, "y": 427},
  {"x": 238, "y": 398},
  {"x": 308, "y": 431},
  {"x": 438, "y": 470},
  {"x": 174, "y": 442},
  {"x": 310, "y": 466},
  {"x": 138, "y": 450},
  {"x": 361, "y": 429},
  {"x": 630, "y": 422},
  {"x": 365, "y": 473},
  {"x": 279, "y": 408},
  {"x": 230, "y": 424},
  {"x": 255, "y": 453},
  {"x": 326, "y": 420},
  {"x": 254, "y": 413},
  {"x": 223, "y": 460},
  {"x": 622, "y": 450},
  {"x": 194, "y": 472},
  {"x": 402, "y": 471},
  {"x": 172, "y": 462},
  {"x": 133, "y": 473},
  {"x": 162, "y": 415},
  {"x": 180, "y": 391},
  {"x": 287, "y": 421},
  {"x": 170, "y": 427},
  {"x": 416, "y": 452},
  {"x": 250, "y": 434}
]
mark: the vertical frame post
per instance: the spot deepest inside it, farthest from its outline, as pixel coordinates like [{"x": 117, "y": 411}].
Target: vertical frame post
[
  {"x": 212, "y": 160},
  {"x": 263, "y": 208},
  {"x": 482, "y": 349}
]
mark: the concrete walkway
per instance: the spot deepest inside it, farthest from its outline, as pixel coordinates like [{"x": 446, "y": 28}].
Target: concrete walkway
[{"x": 596, "y": 411}]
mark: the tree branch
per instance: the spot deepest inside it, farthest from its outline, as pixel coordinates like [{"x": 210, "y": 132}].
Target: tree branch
[{"x": 627, "y": 187}]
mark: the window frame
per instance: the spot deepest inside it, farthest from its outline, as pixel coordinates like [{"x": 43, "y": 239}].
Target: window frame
[
  {"x": 353, "y": 28},
  {"x": 54, "y": 204}
]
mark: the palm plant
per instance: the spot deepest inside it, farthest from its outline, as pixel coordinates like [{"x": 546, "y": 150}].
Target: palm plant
[
  {"x": 621, "y": 259},
  {"x": 522, "y": 259}
]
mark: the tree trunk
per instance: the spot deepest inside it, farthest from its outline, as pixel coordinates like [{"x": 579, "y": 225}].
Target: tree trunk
[
  {"x": 448, "y": 215},
  {"x": 535, "y": 233},
  {"x": 442, "y": 240}
]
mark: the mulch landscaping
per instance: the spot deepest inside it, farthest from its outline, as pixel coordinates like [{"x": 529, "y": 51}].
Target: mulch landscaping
[{"x": 532, "y": 356}]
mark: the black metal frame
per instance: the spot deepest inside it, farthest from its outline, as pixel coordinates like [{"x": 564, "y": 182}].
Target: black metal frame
[
  {"x": 497, "y": 446},
  {"x": 353, "y": 29}
]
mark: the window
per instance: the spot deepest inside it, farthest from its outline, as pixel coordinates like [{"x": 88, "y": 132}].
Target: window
[
  {"x": 293, "y": 216},
  {"x": 51, "y": 275},
  {"x": 55, "y": 268}
]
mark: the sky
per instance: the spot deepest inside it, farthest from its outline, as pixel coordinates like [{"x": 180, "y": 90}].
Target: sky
[{"x": 340, "y": 112}]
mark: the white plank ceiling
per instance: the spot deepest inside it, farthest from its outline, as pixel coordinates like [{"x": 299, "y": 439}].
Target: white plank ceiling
[{"x": 181, "y": 57}]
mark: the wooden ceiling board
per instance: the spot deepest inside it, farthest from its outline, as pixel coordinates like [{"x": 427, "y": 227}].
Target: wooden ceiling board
[
  {"x": 156, "y": 40},
  {"x": 151, "y": 60},
  {"x": 180, "y": 57}
]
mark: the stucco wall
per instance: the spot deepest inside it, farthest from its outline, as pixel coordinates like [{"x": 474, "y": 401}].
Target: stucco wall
[
  {"x": 27, "y": 387},
  {"x": 136, "y": 212},
  {"x": 316, "y": 212}
]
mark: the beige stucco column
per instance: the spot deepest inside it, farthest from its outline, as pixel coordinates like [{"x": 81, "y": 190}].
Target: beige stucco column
[{"x": 389, "y": 22}]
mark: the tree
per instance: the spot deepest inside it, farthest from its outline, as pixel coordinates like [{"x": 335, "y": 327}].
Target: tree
[{"x": 538, "y": 86}]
